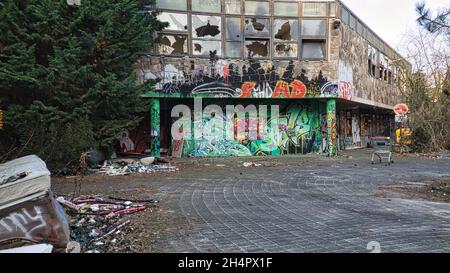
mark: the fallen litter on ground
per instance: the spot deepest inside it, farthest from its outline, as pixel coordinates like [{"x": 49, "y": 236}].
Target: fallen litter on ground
[
  {"x": 251, "y": 164},
  {"x": 97, "y": 222},
  {"x": 128, "y": 166}
]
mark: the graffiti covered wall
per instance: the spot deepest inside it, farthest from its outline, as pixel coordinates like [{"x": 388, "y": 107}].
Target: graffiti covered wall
[
  {"x": 301, "y": 128},
  {"x": 354, "y": 62},
  {"x": 239, "y": 79}
]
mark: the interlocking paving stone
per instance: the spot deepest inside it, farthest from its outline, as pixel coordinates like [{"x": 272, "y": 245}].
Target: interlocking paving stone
[{"x": 312, "y": 208}]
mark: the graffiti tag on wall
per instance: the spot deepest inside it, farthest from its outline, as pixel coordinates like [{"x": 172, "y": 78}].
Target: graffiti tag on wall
[{"x": 251, "y": 79}]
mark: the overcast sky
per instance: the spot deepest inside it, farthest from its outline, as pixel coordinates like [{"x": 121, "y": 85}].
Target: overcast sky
[{"x": 390, "y": 18}]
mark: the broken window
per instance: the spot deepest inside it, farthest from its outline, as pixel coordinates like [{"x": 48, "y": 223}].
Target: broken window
[
  {"x": 206, "y": 5},
  {"x": 204, "y": 26},
  {"x": 257, "y": 48},
  {"x": 257, "y": 27},
  {"x": 314, "y": 27},
  {"x": 172, "y": 4},
  {"x": 285, "y": 30},
  {"x": 372, "y": 60},
  {"x": 257, "y": 8},
  {"x": 206, "y": 48},
  {"x": 206, "y": 35},
  {"x": 313, "y": 49},
  {"x": 233, "y": 49},
  {"x": 315, "y": 9},
  {"x": 383, "y": 67},
  {"x": 173, "y": 45},
  {"x": 286, "y": 50},
  {"x": 177, "y": 21},
  {"x": 286, "y": 9},
  {"x": 233, "y": 6}
]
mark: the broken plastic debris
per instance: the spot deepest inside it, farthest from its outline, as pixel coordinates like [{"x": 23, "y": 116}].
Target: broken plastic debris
[{"x": 251, "y": 164}]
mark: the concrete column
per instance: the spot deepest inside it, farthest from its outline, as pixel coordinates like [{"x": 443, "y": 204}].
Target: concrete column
[
  {"x": 331, "y": 127},
  {"x": 155, "y": 128}
]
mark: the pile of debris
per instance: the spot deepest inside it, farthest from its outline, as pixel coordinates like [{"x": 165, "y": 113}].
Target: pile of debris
[
  {"x": 128, "y": 166},
  {"x": 96, "y": 222},
  {"x": 31, "y": 220}
]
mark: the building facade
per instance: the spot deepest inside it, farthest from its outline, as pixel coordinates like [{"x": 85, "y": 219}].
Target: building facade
[{"x": 333, "y": 79}]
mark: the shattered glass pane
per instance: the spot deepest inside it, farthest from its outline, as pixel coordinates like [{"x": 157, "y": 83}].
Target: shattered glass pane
[
  {"x": 286, "y": 9},
  {"x": 256, "y": 7},
  {"x": 257, "y": 27},
  {"x": 314, "y": 27},
  {"x": 233, "y": 6},
  {"x": 315, "y": 9},
  {"x": 286, "y": 50},
  {"x": 285, "y": 30},
  {"x": 206, "y": 5},
  {"x": 257, "y": 48},
  {"x": 233, "y": 49},
  {"x": 206, "y": 48},
  {"x": 172, "y": 4},
  {"x": 233, "y": 29},
  {"x": 173, "y": 45},
  {"x": 313, "y": 50},
  {"x": 204, "y": 26},
  {"x": 177, "y": 21}
]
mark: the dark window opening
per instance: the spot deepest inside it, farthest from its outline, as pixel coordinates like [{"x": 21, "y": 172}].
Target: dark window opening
[{"x": 313, "y": 49}]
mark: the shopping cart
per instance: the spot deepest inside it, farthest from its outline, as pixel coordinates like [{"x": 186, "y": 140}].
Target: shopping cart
[{"x": 382, "y": 148}]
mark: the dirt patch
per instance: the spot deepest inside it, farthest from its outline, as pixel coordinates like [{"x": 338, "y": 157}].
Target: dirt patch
[{"x": 436, "y": 191}]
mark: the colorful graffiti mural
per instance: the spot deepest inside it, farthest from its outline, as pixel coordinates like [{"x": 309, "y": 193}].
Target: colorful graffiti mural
[
  {"x": 155, "y": 128},
  {"x": 331, "y": 127},
  {"x": 299, "y": 129}
]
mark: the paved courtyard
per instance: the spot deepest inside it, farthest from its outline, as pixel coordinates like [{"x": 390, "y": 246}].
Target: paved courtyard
[{"x": 295, "y": 204}]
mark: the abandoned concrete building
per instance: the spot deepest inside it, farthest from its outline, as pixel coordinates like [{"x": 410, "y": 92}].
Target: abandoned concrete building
[{"x": 332, "y": 77}]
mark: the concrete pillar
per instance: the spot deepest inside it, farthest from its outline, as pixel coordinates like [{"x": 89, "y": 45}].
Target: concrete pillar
[
  {"x": 155, "y": 128},
  {"x": 331, "y": 127}
]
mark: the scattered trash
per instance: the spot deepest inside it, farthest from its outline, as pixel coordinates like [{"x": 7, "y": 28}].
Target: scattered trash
[
  {"x": 128, "y": 166},
  {"x": 147, "y": 160},
  {"x": 96, "y": 221},
  {"x": 444, "y": 155},
  {"x": 251, "y": 164}
]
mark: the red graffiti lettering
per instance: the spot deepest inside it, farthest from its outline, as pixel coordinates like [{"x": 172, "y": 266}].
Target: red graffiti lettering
[
  {"x": 345, "y": 90},
  {"x": 247, "y": 89},
  {"x": 298, "y": 90},
  {"x": 282, "y": 88},
  {"x": 226, "y": 72}
]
